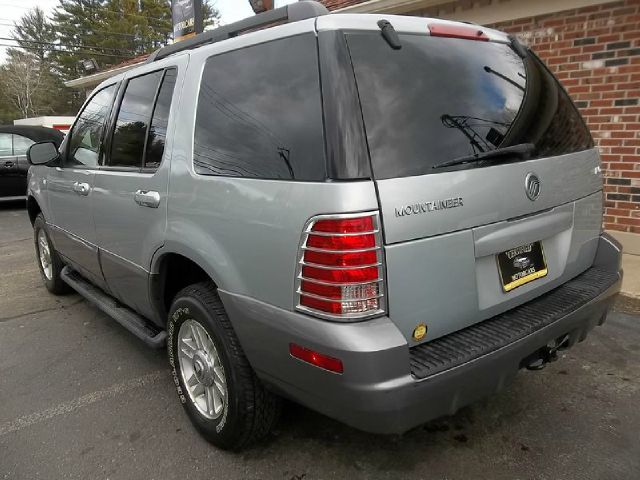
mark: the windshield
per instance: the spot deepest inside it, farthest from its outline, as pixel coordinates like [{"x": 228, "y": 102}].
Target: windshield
[{"x": 439, "y": 99}]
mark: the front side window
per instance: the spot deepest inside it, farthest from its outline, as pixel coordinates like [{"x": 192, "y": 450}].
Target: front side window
[
  {"x": 259, "y": 113},
  {"x": 133, "y": 119},
  {"x": 21, "y": 144},
  {"x": 440, "y": 99},
  {"x": 86, "y": 135},
  {"x": 6, "y": 148}
]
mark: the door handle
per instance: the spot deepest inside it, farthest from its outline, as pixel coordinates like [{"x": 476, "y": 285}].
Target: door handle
[
  {"x": 147, "y": 198},
  {"x": 81, "y": 188},
  {"x": 8, "y": 164}
]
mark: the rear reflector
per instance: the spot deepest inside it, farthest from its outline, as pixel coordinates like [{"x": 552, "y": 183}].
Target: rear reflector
[
  {"x": 340, "y": 274},
  {"x": 315, "y": 358},
  {"x": 457, "y": 31}
]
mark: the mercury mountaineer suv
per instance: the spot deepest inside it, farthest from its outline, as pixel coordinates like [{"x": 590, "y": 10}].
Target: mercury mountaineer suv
[{"x": 380, "y": 217}]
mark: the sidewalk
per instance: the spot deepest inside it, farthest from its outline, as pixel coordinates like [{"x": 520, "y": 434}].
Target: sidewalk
[{"x": 631, "y": 281}]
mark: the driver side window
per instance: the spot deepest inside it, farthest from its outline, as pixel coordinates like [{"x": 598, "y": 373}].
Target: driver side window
[{"x": 84, "y": 144}]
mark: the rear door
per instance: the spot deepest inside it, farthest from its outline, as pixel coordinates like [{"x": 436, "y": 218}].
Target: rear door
[
  {"x": 130, "y": 203},
  {"x": 13, "y": 165},
  {"x": 467, "y": 241},
  {"x": 10, "y": 186},
  {"x": 70, "y": 186}
]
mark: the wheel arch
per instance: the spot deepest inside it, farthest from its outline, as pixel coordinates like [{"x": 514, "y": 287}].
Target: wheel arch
[{"x": 171, "y": 271}]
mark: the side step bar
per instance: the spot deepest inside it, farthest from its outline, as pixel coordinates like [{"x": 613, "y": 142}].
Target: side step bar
[{"x": 141, "y": 328}]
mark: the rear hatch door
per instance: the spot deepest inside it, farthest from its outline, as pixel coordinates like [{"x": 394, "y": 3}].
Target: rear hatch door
[{"x": 467, "y": 238}]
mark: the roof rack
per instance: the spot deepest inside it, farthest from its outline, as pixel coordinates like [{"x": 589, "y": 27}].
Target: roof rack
[{"x": 294, "y": 12}]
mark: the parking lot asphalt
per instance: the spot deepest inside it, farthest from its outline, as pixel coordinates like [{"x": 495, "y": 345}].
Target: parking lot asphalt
[{"x": 82, "y": 398}]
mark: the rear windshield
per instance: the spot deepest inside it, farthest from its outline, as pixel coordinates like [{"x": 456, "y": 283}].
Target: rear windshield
[{"x": 440, "y": 99}]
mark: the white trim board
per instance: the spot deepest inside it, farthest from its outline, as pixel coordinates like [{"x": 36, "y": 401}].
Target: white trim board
[{"x": 497, "y": 11}]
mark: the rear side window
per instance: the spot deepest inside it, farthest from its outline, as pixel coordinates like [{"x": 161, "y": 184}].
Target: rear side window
[
  {"x": 440, "y": 99},
  {"x": 130, "y": 133},
  {"x": 259, "y": 113}
]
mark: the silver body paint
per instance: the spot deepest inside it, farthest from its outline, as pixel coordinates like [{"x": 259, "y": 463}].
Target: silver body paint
[{"x": 245, "y": 233}]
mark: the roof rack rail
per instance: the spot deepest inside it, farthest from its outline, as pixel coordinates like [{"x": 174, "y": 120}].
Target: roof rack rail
[{"x": 293, "y": 12}]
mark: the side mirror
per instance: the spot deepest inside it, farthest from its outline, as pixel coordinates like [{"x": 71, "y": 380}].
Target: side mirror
[{"x": 42, "y": 153}]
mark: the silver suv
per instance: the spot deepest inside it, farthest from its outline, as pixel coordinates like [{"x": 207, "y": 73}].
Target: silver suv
[{"x": 380, "y": 217}]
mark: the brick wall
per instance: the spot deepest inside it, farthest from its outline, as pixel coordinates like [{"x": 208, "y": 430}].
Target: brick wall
[
  {"x": 335, "y": 4},
  {"x": 595, "y": 52}
]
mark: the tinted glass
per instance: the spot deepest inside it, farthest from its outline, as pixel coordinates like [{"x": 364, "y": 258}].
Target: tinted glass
[
  {"x": 6, "y": 149},
  {"x": 439, "y": 99},
  {"x": 259, "y": 113},
  {"x": 21, "y": 144},
  {"x": 158, "y": 129},
  {"x": 133, "y": 120},
  {"x": 84, "y": 144}
]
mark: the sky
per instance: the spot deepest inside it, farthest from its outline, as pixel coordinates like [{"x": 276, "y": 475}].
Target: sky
[{"x": 12, "y": 10}]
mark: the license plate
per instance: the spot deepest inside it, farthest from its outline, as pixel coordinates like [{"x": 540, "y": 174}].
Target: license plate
[{"x": 521, "y": 265}]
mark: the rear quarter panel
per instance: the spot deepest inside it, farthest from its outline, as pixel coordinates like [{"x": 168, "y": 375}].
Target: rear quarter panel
[{"x": 244, "y": 232}]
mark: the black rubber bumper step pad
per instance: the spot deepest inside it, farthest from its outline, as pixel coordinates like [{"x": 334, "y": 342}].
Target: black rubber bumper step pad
[{"x": 489, "y": 335}]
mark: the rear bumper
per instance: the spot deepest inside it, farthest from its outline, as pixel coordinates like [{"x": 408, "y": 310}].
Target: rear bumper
[{"x": 388, "y": 387}]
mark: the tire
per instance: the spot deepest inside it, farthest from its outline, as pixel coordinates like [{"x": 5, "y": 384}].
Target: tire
[
  {"x": 250, "y": 411},
  {"x": 51, "y": 275}
]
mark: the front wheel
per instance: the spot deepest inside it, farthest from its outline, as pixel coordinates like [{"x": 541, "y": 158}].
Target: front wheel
[
  {"x": 49, "y": 262},
  {"x": 217, "y": 387}
]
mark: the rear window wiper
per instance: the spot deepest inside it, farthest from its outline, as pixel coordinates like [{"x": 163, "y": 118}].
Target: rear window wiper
[
  {"x": 389, "y": 34},
  {"x": 519, "y": 150}
]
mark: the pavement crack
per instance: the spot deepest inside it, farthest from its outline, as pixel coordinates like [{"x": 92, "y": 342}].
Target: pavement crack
[{"x": 42, "y": 310}]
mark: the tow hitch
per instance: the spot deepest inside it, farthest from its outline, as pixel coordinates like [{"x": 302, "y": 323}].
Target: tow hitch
[{"x": 549, "y": 353}]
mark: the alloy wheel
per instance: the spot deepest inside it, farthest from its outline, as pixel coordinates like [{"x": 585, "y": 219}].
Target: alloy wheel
[
  {"x": 44, "y": 253},
  {"x": 201, "y": 369}
]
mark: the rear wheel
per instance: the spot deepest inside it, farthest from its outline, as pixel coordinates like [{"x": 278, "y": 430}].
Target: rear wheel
[
  {"x": 49, "y": 262},
  {"x": 217, "y": 387}
]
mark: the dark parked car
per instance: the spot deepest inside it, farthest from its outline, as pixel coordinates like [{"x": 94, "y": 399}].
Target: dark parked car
[{"x": 14, "y": 142}]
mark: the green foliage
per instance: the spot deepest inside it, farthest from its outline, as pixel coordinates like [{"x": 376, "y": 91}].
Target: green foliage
[
  {"x": 49, "y": 50},
  {"x": 113, "y": 31},
  {"x": 75, "y": 23},
  {"x": 33, "y": 32},
  {"x": 28, "y": 80}
]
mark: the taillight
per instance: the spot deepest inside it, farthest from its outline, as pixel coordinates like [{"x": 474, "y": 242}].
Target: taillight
[
  {"x": 341, "y": 274},
  {"x": 457, "y": 31}
]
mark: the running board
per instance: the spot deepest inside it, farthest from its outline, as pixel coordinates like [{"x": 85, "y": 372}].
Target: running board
[{"x": 141, "y": 328}]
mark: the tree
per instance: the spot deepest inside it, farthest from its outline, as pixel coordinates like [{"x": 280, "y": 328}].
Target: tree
[
  {"x": 112, "y": 31},
  {"x": 21, "y": 81},
  {"x": 48, "y": 52},
  {"x": 210, "y": 15},
  {"x": 76, "y": 24},
  {"x": 34, "y": 34},
  {"x": 31, "y": 84},
  {"x": 134, "y": 27}
]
